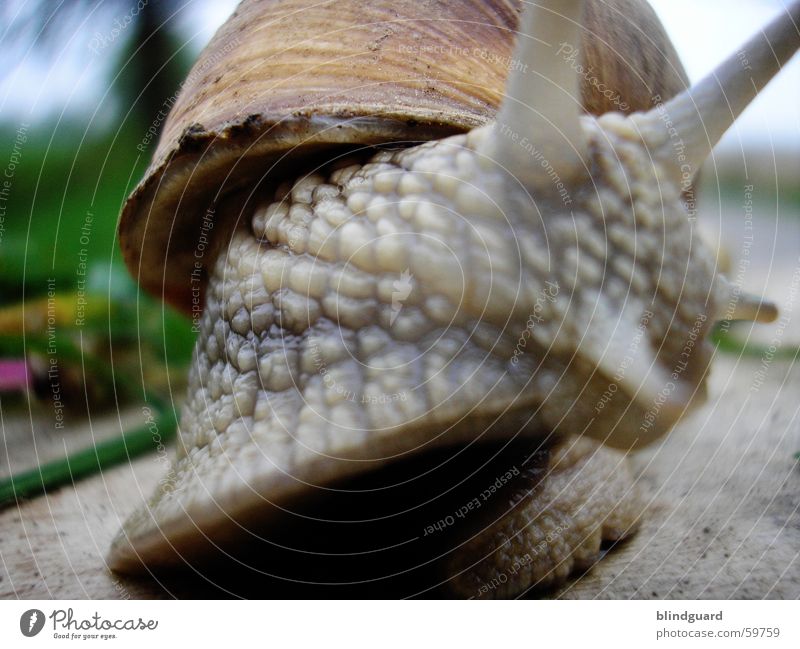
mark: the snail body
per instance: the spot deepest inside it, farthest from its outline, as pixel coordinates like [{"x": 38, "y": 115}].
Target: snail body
[{"x": 535, "y": 278}]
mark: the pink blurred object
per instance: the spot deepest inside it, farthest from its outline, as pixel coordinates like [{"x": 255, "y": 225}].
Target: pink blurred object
[{"x": 14, "y": 376}]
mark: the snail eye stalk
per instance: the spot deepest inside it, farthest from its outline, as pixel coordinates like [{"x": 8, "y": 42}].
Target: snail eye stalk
[
  {"x": 542, "y": 105},
  {"x": 703, "y": 113}
]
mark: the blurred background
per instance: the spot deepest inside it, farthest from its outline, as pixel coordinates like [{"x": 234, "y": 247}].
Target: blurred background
[{"x": 81, "y": 89}]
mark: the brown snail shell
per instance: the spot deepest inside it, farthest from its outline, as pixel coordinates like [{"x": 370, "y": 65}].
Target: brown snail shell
[{"x": 282, "y": 81}]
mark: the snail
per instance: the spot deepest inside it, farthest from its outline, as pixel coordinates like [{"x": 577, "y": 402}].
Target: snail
[{"x": 392, "y": 277}]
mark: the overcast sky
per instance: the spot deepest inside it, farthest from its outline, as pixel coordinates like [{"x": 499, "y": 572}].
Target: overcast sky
[
  {"x": 719, "y": 27},
  {"x": 704, "y": 32}
]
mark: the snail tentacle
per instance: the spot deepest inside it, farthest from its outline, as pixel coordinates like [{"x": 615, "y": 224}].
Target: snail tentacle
[
  {"x": 542, "y": 105},
  {"x": 686, "y": 128}
]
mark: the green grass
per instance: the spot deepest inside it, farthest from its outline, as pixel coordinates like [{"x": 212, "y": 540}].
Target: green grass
[{"x": 61, "y": 178}]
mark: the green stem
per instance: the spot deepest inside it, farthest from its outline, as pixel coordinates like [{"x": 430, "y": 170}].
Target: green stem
[
  {"x": 91, "y": 460},
  {"x": 729, "y": 344}
]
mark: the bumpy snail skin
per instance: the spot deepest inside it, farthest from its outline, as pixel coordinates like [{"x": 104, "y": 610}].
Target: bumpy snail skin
[
  {"x": 554, "y": 527},
  {"x": 306, "y": 305},
  {"x": 308, "y": 368}
]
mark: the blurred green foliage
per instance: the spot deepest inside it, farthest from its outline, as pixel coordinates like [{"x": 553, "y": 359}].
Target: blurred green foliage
[
  {"x": 70, "y": 178},
  {"x": 64, "y": 176}
]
